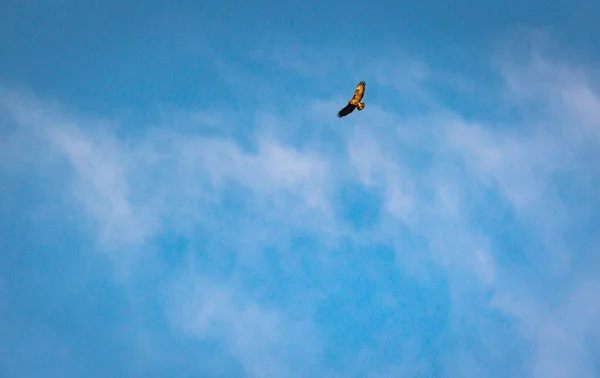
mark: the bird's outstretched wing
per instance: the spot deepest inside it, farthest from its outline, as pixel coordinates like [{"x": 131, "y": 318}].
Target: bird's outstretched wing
[
  {"x": 359, "y": 92},
  {"x": 346, "y": 110}
]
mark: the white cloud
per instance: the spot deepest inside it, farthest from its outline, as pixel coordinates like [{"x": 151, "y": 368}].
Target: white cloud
[
  {"x": 523, "y": 163},
  {"x": 135, "y": 188},
  {"x": 560, "y": 334},
  {"x": 274, "y": 167},
  {"x": 114, "y": 179},
  {"x": 264, "y": 340}
]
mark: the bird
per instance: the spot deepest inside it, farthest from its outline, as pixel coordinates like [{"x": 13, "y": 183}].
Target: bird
[{"x": 354, "y": 103}]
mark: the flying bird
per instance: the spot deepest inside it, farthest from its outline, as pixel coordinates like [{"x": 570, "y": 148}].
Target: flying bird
[{"x": 355, "y": 102}]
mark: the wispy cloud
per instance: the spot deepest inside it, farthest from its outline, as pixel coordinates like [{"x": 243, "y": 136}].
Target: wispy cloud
[{"x": 265, "y": 340}]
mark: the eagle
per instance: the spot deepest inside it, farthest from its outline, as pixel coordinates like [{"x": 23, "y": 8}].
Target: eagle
[{"x": 355, "y": 102}]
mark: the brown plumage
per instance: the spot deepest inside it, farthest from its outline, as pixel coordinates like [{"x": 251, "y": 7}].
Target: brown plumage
[{"x": 354, "y": 103}]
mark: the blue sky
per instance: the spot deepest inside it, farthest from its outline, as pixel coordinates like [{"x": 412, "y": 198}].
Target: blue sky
[{"x": 178, "y": 198}]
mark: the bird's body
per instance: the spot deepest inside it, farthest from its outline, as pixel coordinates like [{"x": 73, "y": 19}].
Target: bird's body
[{"x": 354, "y": 103}]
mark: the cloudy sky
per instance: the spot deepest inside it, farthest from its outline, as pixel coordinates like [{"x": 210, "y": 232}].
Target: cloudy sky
[{"x": 179, "y": 199}]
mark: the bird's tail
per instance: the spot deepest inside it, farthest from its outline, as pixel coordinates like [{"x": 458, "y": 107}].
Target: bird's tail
[{"x": 360, "y": 106}]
